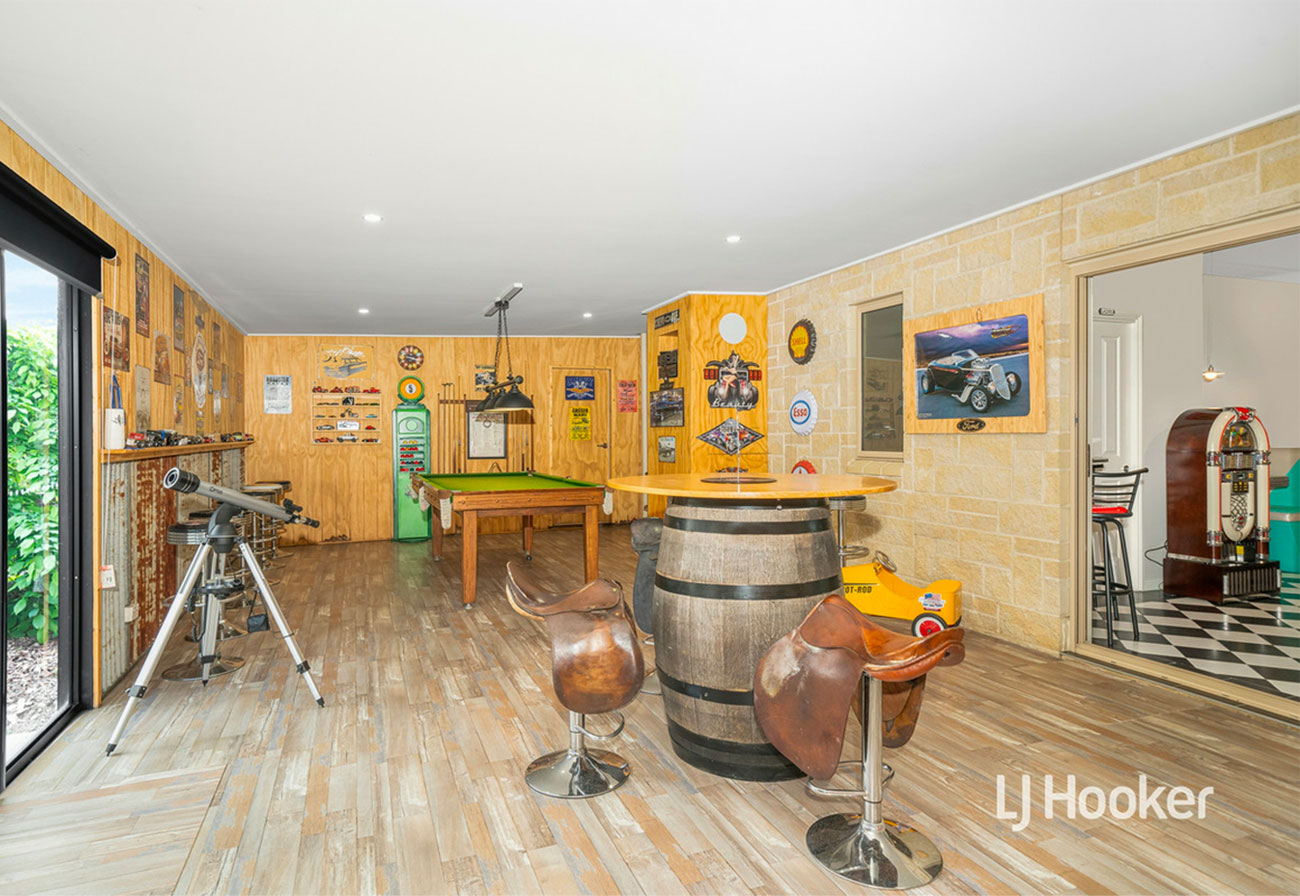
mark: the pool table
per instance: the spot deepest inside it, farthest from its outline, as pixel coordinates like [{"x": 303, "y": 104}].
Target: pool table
[{"x": 474, "y": 495}]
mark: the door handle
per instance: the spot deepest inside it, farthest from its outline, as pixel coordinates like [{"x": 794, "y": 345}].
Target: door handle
[{"x": 603, "y": 445}]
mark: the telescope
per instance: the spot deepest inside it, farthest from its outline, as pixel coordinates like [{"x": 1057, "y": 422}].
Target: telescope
[{"x": 188, "y": 484}]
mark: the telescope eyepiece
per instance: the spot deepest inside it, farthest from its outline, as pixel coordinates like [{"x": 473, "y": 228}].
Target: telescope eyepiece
[{"x": 181, "y": 481}]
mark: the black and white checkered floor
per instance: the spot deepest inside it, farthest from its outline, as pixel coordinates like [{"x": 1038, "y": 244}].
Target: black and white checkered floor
[{"x": 1253, "y": 642}]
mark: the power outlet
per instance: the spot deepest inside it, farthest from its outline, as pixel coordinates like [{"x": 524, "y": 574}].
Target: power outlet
[{"x": 129, "y": 614}]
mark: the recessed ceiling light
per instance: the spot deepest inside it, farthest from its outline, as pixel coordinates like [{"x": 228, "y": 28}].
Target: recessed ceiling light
[
  {"x": 363, "y": 311},
  {"x": 733, "y": 239},
  {"x": 372, "y": 218},
  {"x": 586, "y": 314}
]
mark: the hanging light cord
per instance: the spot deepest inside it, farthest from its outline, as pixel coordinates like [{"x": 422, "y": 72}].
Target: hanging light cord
[{"x": 496, "y": 358}]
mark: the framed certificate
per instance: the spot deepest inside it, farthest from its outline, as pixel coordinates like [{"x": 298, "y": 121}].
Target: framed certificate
[{"x": 485, "y": 435}]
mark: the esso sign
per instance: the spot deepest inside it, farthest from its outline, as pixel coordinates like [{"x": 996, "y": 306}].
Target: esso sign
[{"x": 803, "y": 412}]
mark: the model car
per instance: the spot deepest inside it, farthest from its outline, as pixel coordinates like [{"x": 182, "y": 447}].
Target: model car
[
  {"x": 875, "y": 590},
  {"x": 974, "y": 380}
]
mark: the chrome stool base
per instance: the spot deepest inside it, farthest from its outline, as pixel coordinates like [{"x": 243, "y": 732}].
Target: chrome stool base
[
  {"x": 570, "y": 774},
  {"x": 193, "y": 669},
  {"x": 888, "y": 855}
]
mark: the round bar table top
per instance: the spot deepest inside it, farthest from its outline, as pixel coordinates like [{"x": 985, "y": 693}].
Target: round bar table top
[{"x": 781, "y": 486}]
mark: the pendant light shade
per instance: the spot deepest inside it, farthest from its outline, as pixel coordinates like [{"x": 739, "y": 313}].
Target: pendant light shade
[{"x": 513, "y": 401}]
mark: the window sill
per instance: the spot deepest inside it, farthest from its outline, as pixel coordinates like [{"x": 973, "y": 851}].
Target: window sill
[{"x": 876, "y": 464}]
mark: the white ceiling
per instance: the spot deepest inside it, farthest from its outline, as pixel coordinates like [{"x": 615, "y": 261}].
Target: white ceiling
[
  {"x": 599, "y": 152},
  {"x": 1277, "y": 259}
]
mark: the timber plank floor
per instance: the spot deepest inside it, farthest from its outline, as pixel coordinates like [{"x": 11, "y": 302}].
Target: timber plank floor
[{"x": 410, "y": 780}]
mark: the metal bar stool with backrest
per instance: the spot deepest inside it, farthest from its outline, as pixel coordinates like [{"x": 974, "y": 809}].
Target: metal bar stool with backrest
[{"x": 1112, "y": 503}]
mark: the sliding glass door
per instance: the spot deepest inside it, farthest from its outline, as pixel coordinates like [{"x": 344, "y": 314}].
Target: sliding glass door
[{"x": 40, "y": 662}]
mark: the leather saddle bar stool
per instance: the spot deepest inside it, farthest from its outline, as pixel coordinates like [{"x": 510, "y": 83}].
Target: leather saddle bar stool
[
  {"x": 803, "y": 689},
  {"x": 596, "y": 667}
]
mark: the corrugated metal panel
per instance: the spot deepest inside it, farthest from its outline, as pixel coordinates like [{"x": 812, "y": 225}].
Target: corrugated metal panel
[
  {"x": 153, "y": 510},
  {"x": 115, "y": 537},
  {"x": 232, "y": 468},
  {"x": 200, "y": 466}
]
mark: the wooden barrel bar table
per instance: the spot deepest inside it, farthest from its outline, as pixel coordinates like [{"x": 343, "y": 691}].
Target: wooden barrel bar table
[{"x": 740, "y": 565}]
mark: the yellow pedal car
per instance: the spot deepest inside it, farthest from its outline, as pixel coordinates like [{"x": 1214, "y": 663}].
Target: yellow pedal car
[{"x": 875, "y": 590}]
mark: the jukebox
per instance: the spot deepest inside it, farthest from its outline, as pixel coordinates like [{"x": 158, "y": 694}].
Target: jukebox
[{"x": 1217, "y": 465}]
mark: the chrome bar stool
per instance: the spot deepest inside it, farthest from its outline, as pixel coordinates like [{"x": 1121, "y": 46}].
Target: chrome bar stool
[
  {"x": 262, "y": 532},
  {"x": 282, "y": 488},
  {"x": 804, "y": 689},
  {"x": 596, "y": 668},
  {"x": 208, "y": 599},
  {"x": 840, "y": 504}
]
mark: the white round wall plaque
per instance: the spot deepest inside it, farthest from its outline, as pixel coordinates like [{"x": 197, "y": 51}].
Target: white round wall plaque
[
  {"x": 732, "y": 328},
  {"x": 803, "y": 412}
]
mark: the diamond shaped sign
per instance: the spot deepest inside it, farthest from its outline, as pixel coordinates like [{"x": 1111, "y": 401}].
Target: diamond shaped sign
[{"x": 730, "y": 436}]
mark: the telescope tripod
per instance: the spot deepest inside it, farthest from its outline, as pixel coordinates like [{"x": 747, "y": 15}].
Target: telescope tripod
[{"x": 220, "y": 538}]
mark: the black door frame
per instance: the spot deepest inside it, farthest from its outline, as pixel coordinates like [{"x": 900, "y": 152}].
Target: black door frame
[{"x": 76, "y": 522}]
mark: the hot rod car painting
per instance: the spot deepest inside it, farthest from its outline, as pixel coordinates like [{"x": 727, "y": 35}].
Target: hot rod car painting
[{"x": 972, "y": 379}]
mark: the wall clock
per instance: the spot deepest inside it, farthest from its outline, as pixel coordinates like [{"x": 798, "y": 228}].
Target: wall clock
[{"x": 409, "y": 357}]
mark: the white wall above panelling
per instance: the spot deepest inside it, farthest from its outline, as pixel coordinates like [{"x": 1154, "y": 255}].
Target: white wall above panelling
[{"x": 599, "y": 152}]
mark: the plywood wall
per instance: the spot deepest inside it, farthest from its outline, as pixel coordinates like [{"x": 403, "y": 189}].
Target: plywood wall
[
  {"x": 119, "y": 295},
  {"x": 349, "y": 487},
  {"x": 695, "y": 338}
]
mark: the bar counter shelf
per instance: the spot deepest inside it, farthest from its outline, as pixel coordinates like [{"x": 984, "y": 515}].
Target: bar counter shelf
[{"x": 124, "y": 455}]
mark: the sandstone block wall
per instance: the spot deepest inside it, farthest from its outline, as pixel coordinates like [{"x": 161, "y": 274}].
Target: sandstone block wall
[{"x": 994, "y": 510}]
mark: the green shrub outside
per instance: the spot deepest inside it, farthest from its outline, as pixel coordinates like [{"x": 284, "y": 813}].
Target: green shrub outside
[{"x": 31, "y": 543}]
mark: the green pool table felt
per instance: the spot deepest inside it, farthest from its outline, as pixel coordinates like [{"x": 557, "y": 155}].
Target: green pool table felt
[{"x": 492, "y": 482}]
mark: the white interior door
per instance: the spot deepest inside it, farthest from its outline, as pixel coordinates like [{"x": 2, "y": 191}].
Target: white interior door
[{"x": 1115, "y": 418}]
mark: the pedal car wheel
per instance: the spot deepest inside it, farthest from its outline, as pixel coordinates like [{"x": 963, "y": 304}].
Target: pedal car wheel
[{"x": 927, "y": 624}]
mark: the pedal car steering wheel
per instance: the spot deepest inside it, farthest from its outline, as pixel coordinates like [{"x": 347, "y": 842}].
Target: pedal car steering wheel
[{"x": 883, "y": 559}]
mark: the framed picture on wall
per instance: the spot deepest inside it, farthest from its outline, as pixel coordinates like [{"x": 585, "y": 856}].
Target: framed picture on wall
[
  {"x": 976, "y": 370},
  {"x": 485, "y": 435}
]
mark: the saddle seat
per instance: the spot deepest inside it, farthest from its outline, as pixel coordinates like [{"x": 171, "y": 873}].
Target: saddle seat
[
  {"x": 531, "y": 599},
  {"x": 596, "y": 667},
  {"x": 887, "y": 655},
  {"x": 808, "y": 680},
  {"x": 596, "y": 662}
]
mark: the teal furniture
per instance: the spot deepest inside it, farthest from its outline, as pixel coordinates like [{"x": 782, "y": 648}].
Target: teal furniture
[{"x": 1284, "y": 523}]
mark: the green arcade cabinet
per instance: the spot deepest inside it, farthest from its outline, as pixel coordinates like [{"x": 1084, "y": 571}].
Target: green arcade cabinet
[{"x": 410, "y": 455}]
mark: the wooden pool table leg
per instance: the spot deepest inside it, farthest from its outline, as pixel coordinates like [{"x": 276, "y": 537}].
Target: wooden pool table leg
[
  {"x": 528, "y": 537},
  {"x": 469, "y": 557},
  {"x": 591, "y": 541},
  {"x": 437, "y": 532}
]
